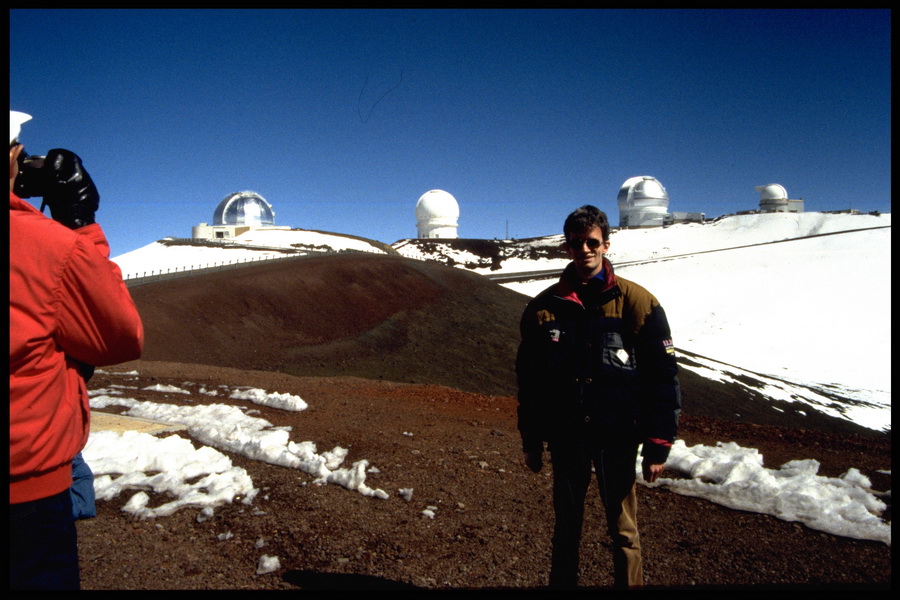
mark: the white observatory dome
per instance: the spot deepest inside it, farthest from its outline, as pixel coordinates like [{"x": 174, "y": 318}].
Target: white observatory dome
[
  {"x": 437, "y": 214},
  {"x": 244, "y": 208},
  {"x": 643, "y": 202},
  {"x": 773, "y": 191},
  {"x": 774, "y": 198}
]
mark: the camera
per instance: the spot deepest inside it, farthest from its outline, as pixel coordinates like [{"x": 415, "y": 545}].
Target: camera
[{"x": 32, "y": 180}]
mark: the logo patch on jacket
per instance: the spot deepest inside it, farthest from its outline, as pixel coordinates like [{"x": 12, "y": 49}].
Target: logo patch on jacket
[
  {"x": 554, "y": 335},
  {"x": 669, "y": 346}
]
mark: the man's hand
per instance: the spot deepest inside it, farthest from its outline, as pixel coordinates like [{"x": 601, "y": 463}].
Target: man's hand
[
  {"x": 651, "y": 471},
  {"x": 534, "y": 461},
  {"x": 71, "y": 195}
]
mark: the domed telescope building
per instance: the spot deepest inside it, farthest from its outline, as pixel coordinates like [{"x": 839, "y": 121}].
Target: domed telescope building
[
  {"x": 774, "y": 198},
  {"x": 236, "y": 213},
  {"x": 437, "y": 215},
  {"x": 643, "y": 202}
]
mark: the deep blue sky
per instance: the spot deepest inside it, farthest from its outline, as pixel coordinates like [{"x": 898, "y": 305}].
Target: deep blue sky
[{"x": 343, "y": 119}]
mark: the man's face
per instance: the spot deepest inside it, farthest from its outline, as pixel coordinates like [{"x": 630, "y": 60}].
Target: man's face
[{"x": 586, "y": 250}]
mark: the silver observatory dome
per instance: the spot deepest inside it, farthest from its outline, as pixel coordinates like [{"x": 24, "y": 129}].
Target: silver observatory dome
[
  {"x": 244, "y": 208},
  {"x": 643, "y": 202}
]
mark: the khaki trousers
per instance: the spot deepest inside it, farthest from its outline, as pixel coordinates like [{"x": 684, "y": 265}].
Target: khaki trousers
[{"x": 615, "y": 469}]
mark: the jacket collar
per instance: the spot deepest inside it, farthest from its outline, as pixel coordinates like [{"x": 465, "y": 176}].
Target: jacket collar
[{"x": 569, "y": 283}]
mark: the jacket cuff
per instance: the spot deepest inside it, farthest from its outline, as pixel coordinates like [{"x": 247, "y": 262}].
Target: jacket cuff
[{"x": 656, "y": 451}]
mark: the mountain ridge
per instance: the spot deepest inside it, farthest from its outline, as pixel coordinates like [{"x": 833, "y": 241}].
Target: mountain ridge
[{"x": 384, "y": 318}]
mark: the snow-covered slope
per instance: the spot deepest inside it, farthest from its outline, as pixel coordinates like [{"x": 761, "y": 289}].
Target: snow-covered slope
[
  {"x": 802, "y": 298},
  {"x": 261, "y": 244}
]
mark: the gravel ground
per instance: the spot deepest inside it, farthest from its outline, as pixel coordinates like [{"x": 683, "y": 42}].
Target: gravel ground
[
  {"x": 339, "y": 331},
  {"x": 493, "y": 518}
]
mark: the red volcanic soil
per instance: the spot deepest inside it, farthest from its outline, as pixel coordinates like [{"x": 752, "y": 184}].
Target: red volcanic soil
[
  {"x": 374, "y": 316},
  {"x": 410, "y": 366}
]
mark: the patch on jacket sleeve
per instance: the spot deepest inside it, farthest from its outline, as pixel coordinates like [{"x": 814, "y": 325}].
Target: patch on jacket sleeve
[
  {"x": 669, "y": 346},
  {"x": 544, "y": 316}
]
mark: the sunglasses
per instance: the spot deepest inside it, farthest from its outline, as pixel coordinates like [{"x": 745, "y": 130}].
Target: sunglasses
[{"x": 592, "y": 243}]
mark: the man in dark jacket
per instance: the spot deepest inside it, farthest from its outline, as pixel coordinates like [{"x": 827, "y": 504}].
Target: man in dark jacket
[{"x": 597, "y": 378}]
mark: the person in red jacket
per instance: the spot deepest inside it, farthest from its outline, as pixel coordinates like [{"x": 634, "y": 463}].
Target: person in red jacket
[{"x": 69, "y": 311}]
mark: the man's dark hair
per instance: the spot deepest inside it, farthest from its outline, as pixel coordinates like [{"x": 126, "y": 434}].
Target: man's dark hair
[{"x": 584, "y": 219}]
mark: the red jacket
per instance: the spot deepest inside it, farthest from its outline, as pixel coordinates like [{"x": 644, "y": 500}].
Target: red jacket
[{"x": 67, "y": 305}]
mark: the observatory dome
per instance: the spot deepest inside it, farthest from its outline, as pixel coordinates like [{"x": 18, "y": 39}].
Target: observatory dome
[
  {"x": 244, "y": 208},
  {"x": 643, "y": 202},
  {"x": 773, "y": 191},
  {"x": 437, "y": 214},
  {"x": 774, "y": 198}
]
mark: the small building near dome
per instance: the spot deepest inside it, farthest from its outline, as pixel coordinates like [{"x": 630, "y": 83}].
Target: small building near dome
[
  {"x": 774, "y": 198},
  {"x": 237, "y": 213},
  {"x": 437, "y": 215}
]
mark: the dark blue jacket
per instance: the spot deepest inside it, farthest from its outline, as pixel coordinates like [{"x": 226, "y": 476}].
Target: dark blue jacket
[{"x": 596, "y": 362}]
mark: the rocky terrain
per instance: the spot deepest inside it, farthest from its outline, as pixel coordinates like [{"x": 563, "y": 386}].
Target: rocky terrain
[{"x": 409, "y": 365}]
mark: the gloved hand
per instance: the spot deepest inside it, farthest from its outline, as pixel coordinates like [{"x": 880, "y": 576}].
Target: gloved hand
[{"x": 71, "y": 194}]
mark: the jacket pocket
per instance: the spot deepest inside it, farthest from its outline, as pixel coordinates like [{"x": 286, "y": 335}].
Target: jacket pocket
[{"x": 617, "y": 360}]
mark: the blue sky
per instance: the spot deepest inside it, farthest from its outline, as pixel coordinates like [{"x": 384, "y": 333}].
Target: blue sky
[{"x": 343, "y": 119}]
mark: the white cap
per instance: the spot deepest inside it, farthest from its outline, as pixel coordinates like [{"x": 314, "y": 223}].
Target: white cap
[{"x": 16, "y": 119}]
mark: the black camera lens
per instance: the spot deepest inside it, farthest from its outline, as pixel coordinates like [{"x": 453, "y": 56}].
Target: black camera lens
[{"x": 31, "y": 180}]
